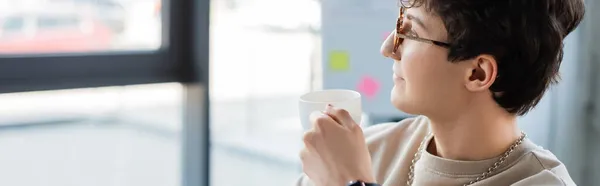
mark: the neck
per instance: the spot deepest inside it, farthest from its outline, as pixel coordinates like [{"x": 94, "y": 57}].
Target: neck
[{"x": 479, "y": 133}]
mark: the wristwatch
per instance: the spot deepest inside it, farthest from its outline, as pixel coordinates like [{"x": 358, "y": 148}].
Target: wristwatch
[{"x": 362, "y": 183}]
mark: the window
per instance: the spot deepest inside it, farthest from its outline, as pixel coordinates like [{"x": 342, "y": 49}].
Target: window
[
  {"x": 87, "y": 25},
  {"x": 55, "y": 22},
  {"x": 102, "y": 103},
  {"x": 12, "y": 24},
  {"x": 110, "y": 136},
  {"x": 255, "y": 129},
  {"x": 124, "y": 43}
]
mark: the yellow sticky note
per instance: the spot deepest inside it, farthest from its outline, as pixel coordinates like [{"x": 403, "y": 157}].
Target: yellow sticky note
[{"x": 339, "y": 60}]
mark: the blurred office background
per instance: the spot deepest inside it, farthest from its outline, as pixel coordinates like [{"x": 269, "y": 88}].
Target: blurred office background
[{"x": 114, "y": 92}]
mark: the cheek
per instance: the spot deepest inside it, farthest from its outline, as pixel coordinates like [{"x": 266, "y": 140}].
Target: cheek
[
  {"x": 427, "y": 72},
  {"x": 417, "y": 66}
]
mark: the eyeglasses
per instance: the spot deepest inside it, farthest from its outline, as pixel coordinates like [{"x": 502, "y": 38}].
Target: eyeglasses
[{"x": 400, "y": 36}]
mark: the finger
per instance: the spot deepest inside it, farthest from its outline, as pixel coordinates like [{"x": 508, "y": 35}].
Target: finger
[
  {"x": 305, "y": 158},
  {"x": 330, "y": 110},
  {"x": 321, "y": 120},
  {"x": 309, "y": 160},
  {"x": 309, "y": 140},
  {"x": 304, "y": 154},
  {"x": 342, "y": 116}
]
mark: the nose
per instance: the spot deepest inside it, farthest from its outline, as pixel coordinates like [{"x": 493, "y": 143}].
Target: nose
[{"x": 387, "y": 47}]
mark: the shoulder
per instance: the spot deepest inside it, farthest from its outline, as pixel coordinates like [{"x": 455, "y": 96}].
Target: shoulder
[
  {"x": 551, "y": 171},
  {"x": 546, "y": 177}
]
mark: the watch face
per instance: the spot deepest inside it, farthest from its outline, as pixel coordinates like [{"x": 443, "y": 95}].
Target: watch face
[
  {"x": 356, "y": 183},
  {"x": 361, "y": 183}
]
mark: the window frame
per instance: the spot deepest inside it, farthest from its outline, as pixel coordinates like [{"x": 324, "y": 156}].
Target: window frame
[
  {"x": 183, "y": 57},
  {"x": 172, "y": 62}
]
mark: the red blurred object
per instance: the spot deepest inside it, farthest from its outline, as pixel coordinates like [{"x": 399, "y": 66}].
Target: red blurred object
[
  {"x": 52, "y": 33},
  {"x": 158, "y": 7}
]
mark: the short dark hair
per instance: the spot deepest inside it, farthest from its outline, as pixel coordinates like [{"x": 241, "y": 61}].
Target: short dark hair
[{"x": 524, "y": 36}]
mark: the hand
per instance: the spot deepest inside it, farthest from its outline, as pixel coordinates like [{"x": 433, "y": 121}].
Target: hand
[{"x": 335, "y": 151}]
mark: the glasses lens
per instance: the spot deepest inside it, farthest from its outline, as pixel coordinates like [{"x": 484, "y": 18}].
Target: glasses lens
[{"x": 403, "y": 3}]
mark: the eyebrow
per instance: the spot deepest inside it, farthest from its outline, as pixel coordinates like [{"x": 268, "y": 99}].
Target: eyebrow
[{"x": 416, "y": 19}]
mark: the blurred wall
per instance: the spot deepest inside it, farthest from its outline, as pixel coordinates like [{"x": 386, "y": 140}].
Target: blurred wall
[
  {"x": 592, "y": 41},
  {"x": 566, "y": 121}
]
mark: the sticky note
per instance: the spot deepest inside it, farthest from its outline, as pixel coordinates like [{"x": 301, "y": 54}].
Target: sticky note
[
  {"x": 339, "y": 60},
  {"x": 368, "y": 86}
]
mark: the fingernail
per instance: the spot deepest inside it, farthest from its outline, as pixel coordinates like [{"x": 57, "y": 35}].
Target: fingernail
[{"x": 329, "y": 106}]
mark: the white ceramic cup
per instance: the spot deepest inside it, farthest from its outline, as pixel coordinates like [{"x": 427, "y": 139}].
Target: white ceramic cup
[{"x": 317, "y": 101}]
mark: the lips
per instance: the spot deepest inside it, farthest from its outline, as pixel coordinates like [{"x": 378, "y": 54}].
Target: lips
[
  {"x": 395, "y": 76},
  {"x": 395, "y": 70}
]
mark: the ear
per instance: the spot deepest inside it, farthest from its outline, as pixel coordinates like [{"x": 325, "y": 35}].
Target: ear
[{"x": 481, "y": 73}]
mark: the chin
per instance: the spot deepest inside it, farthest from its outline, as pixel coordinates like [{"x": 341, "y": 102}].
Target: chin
[{"x": 402, "y": 102}]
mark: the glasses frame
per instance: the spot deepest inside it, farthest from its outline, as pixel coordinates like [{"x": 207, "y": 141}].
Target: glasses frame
[{"x": 399, "y": 37}]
